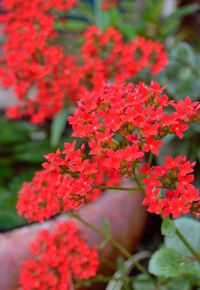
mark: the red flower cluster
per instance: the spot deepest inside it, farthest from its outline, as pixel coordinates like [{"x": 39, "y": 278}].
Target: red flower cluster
[
  {"x": 121, "y": 124},
  {"x": 64, "y": 184},
  {"x": 45, "y": 77},
  {"x": 62, "y": 257},
  {"x": 121, "y": 61},
  {"x": 36, "y": 67},
  {"x": 169, "y": 189}
]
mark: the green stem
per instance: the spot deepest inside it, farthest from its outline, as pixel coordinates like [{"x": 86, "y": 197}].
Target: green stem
[
  {"x": 137, "y": 179},
  {"x": 115, "y": 243},
  {"x": 115, "y": 188},
  {"x": 187, "y": 245},
  {"x": 139, "y": 184}
]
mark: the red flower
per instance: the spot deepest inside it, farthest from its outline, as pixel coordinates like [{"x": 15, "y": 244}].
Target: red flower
[
  {"x": 61, "y": 257},
  {"x": 152, "y": 145}
]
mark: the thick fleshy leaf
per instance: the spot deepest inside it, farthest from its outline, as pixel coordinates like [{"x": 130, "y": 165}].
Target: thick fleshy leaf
[
  {"x": 166, "y": 263},
  {"x": 190, "y": 229}
]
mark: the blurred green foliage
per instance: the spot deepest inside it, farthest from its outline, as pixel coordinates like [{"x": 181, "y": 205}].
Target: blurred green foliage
[
  {"x": 22, "y": 147},
  {"x": 131, "y": 17}
]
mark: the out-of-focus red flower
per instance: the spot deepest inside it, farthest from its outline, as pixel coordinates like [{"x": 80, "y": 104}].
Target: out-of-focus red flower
[
  {"x": 45, "y": 77},
  {"x": 62, "y": 257},
  {"x": 33, "y": 63},
  {"x": 108, "y": 4}
]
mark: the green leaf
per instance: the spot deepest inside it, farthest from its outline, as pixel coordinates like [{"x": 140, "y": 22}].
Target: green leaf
[
  {"x": 166, "y": 263},
  {"x": 102, "y": 18},
  {"x": 17, "y": 182},
  {"x": 58, "y": 125},
  {"x": 184, "y": 53},
  {"x": 10, "y": 133},
  {"x": 168, "y": 228},
  {"x": 192, "y": 269},
  {"x": 32, "y": 152},
  {"x": 190, "y": 229},
  {"x": 179, "y": 283},
  {"x": 9, "y": 219},
  {"x": 195, "y": 127},
  {"x": 142, "y": 283},
  {"x": 182, "y": 74},
  {"x": 185, "y": 10},
  {"x": 152, "y": 11},
  {"x": 8, "y": 214},
  {"x": 172, "y": 22},
  {"x": 6, "y": 173}
]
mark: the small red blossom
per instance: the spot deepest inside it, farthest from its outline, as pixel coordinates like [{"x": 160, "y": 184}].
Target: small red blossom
[{"x": 152, "y": 145}]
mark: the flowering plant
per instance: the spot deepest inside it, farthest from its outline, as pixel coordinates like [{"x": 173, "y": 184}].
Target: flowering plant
[
  {"x": 118, "y": 145},
  {"x": 122, "y": 125}
]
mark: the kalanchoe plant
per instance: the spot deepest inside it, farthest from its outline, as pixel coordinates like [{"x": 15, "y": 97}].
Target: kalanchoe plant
[{"x": 123, "y": 126}]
